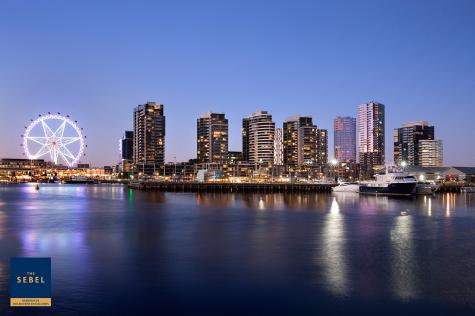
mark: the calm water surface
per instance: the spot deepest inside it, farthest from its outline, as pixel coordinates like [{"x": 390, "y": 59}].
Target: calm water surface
[{"x": 116, "y": 251}]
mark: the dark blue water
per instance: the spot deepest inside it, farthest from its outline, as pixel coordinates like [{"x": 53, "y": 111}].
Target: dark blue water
[{"x": 119, "y": 252}]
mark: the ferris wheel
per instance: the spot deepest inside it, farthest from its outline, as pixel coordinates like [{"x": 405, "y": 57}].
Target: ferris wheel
[{"x": 54, "y": 136}]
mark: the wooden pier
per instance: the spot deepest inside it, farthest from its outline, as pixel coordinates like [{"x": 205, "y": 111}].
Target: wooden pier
[
  {"x": 452, "y": 187},
  {"x": 229, "y": 187}
]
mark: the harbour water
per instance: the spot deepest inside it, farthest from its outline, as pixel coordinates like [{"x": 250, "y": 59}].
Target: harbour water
[{"x": 117, "y": 251}]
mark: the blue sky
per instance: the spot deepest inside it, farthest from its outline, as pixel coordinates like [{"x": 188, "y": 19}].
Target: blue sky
[{"x": 96, "y": 60}]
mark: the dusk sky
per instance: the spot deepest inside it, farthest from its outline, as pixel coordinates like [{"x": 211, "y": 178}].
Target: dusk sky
[{"x": 97, "y": 60}]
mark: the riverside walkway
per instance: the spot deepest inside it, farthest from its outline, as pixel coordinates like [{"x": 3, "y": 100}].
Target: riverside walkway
[{"x": 229, "y": 187}]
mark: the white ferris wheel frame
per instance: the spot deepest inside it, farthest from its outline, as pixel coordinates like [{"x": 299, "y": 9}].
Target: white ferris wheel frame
[{"x": 69, "y": 158}]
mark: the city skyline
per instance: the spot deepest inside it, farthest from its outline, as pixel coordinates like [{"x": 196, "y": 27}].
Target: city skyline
[
  {"x": 388, "y": 157},
  {"x": 236, "y": 59}
]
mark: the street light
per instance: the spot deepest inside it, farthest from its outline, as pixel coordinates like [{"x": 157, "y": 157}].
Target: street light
[
  {"x": 403, "y": 165},
  {"x": 333, "y": 164}
]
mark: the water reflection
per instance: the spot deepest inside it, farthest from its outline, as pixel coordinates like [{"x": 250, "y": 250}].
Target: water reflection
[
  {"x": 453, "y": 204},
  {"x": 403, "y": 263},
  {"x": 3, "y": 276},
  {"x": 264, "y": 201},
  {"x": 428, "y": 203},
  {"x": 2, "y": 224},
  {"x": 449, "y": 204},
  {"x": 34, "y": 242},
  {"x": 333, "y": 251},
  {"x": 373, "y": 204},
  {"x": 347, "y": 198},
  {"x": 215, "y": 199},
  {"x": 319, "y": 245}
]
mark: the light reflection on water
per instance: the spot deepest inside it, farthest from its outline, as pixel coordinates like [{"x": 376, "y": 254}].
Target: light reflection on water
[
  {"x": 403, "y": 277},
  {"x": 34, "y": 242},
  {"x": 341, "y": 245},
  {"x": 333, "y": 251}
]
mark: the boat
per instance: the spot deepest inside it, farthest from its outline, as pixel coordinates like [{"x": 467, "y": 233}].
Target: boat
[
  {"x": 347, "y": 187},
  {"x": 79, "y": 180},
  {"x": 467, "y": 189},
  {"x": 424, "y": 188},
  {"x": 390, "y": 183}
]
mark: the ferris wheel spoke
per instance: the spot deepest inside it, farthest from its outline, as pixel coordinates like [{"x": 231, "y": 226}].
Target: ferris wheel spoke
[
  {"x": 64, "y": 157},
  {"x": 42, "y": 151},
  {"x": 69, "y": 140},
  {"x": 66, "y": 152},
  {"x": 46, "y": 129},
  {"x": 59, "y": 132},
  {"x": 38, "y": 140}
]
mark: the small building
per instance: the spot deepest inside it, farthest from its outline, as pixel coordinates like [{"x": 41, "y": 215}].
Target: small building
[
  {"x": 178, "y": 170},
  {"x": 12, "y": 169},
  {"x": 442, "y": 173}
]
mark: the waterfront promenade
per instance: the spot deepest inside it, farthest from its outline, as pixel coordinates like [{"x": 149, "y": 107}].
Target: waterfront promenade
[
  {"x": 229, "y": 186},
  {"x": 194, "y": 186}
]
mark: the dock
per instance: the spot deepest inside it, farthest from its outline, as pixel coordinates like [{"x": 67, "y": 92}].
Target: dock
[
  {"x": 455, "y": 187},
  {"x": 229, "y": 187}
]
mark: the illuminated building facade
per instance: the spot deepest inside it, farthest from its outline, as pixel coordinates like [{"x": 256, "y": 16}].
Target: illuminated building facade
[
  {"x": 18, "y": 169},
  {"x": 278, "y": 147},
  {"x": 431, "y": 153},
  {"x": 212, "y": 138},
  {"x": 300, "y": 141},
  {"x": 245, "y": 139},
  {"x": 127, "y": 146},
  {"x": 322, "y": 147},
  {"x": 234, "y": 157},
  {"x": 258, "y": 135},
  {"x": 407, "y": 142},
  {"x": 371, "y": 125},
  {"x": 149, "y": 134},
  {"x": 344, "y": 129}
]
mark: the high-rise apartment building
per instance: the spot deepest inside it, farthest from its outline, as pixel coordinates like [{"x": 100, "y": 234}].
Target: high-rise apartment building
[
  {"x": 407, "y": 141},
  {"x": 431, "y": 153},
  {"x": 212, "y": 138},
  {"x": 322, "y": 147},
  {"x": 149, "y": 134},
  {"x": 278, "y": 147},
  {"x": 300, "y": 141},
  {"x": 344, "y": 129},
  {"x": 245, "y": 139},
  {"x": 258, "y": 135},
  {"x": 127, "y": 146},
  {"x": 234, "y": 157},
  {"x": 371, "y": 124}
]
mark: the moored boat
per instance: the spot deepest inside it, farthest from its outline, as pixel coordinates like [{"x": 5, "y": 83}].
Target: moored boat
[
  {"x": 425, "y": 188},
  {"x": 391, "y": 183},
  {"x": 79, "y": 180},
  {"x": 346, "y": 187}
]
